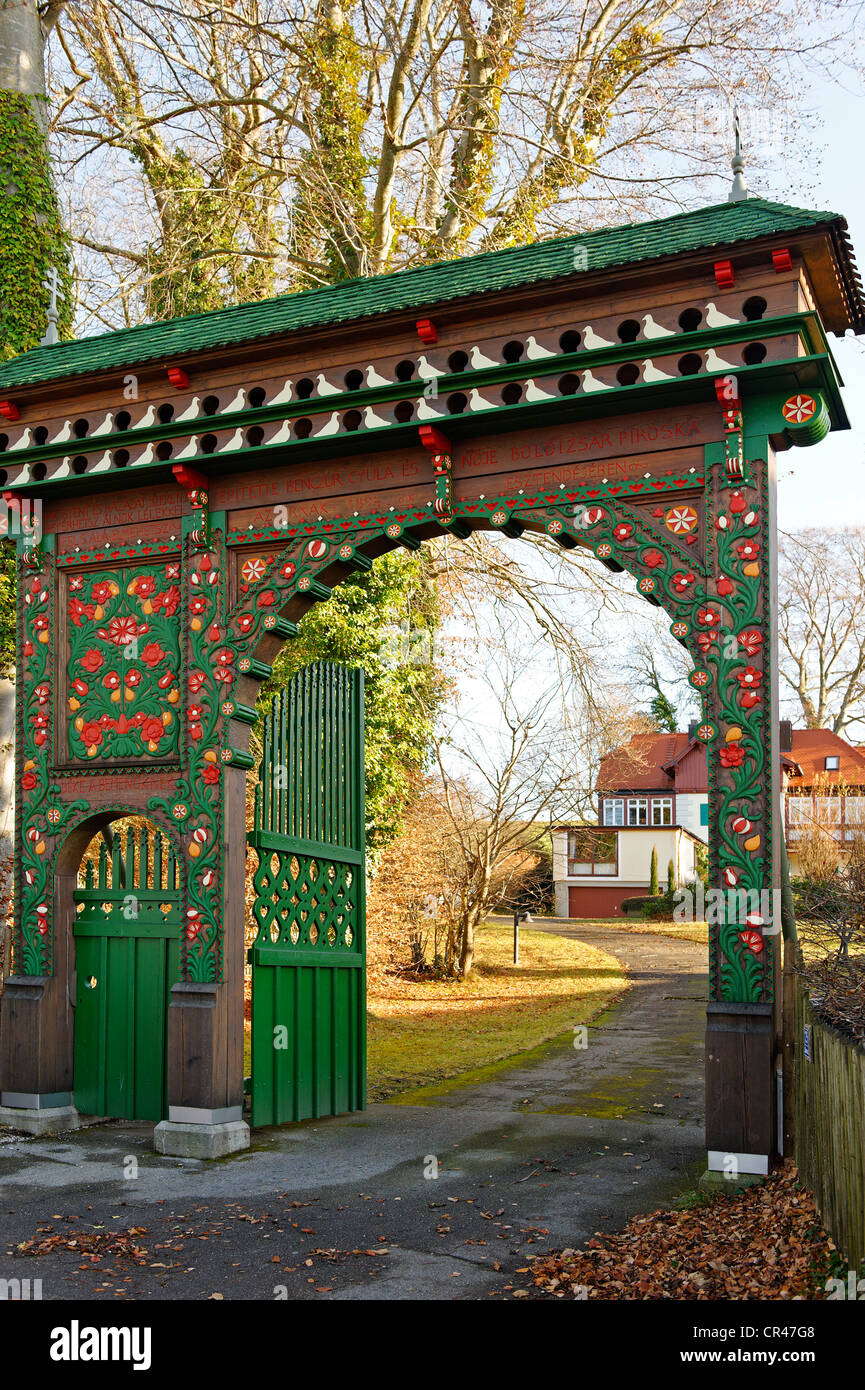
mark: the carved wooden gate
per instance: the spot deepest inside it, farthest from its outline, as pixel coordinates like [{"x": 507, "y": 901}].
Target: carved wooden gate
[
  {"x": 309, "y": 955},
  {"x": 127, "y": 932}
]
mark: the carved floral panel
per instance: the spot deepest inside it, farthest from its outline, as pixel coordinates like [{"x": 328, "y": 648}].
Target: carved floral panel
[{"x": 123, "y": 689}]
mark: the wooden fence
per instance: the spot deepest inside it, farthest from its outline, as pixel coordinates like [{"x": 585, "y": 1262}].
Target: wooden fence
[{"x": 829, "y": 1105}]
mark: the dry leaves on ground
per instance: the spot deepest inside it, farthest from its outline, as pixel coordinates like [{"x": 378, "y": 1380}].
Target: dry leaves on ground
[{"x": 764, "y": 1243}]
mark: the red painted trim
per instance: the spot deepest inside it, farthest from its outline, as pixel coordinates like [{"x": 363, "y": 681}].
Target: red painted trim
[
  {"x": 189, "y": 478},
  {"x": 10, "y": 410},
  {"x": 724, "y": 277},
  {"x": 782, "y": 260},
  {"x": 178, "y": 378},
  {"x": 427, "y": 331},
  {"x": 433, "y": 440}
]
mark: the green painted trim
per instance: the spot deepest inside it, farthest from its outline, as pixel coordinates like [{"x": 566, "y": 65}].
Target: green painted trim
[
  {"x": 806, "y": 324},
  {"x": 268, "y": 840}
]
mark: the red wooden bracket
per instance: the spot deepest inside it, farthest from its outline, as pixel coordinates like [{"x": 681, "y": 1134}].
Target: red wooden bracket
[
  {"x": 726, "y": 392},
  {"x": 724, "y": 278},
  {"x": 426, "y": 331},
  {"x": 433, "y": 440},
  {"x": 189, "y": 478},
  {"x": 178, "y": 378},
  {"x": 10, "y": 410},
  {"x": 782, "y": 260}
]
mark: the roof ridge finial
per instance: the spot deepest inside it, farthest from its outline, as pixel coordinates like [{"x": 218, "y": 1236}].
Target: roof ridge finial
[{"x": 739, "y": 190}]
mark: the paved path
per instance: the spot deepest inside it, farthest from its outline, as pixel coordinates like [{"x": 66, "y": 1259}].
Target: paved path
[{"x": 540, "y": 1156}]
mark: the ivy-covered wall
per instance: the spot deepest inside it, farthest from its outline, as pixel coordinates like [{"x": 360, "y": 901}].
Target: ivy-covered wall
[{"x": 32, "y": 240}]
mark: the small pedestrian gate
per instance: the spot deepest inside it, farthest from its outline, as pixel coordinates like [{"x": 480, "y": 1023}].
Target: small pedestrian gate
[
  {"x": 127, "y": 934},
  {"x": 309, "y": 954}
]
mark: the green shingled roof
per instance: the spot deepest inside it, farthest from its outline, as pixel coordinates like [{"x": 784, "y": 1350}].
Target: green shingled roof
[{"x": 418, "y": 289}]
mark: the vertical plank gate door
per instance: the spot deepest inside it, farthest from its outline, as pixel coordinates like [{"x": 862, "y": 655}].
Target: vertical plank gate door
[
  {"x": 309, "y": 954},
  {"x": 127, "y": 934}
]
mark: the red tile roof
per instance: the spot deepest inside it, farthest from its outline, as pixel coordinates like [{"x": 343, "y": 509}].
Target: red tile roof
[
  {"x": 646, "y": 763},
  {"x": 810, "y": 749}
]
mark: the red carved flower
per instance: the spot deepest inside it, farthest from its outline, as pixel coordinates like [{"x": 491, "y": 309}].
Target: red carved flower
[
  {"x": 287, "y": 570},
  {"x": 79, "y": 610},
  {"x": 224, "y": 656},
  {"x": 223, "y": 673},
  {"x": 750, "y": 678},
  {"x": 111, "y": 680},
  {"x": 133, "y": 677},
  {"x": 749, "y": 698},
  {"x": 92, "y": 734},
  {"x": 152, "y": 730},
  {"x": 123, "y": 630},
  {"x": 194, "y": 713},
  {"x": 169, "y": 602},
  {"x": 749, "y": 550},
  {"x": 28, "y": 781},
  {"x": 42, "y": 692},
  {"x": 80, "y": 687},
  {"x": 198, "y": 603},
  {"x": 152, "y": 654},
  {"x": 725, "y": 586},
  {"x": 681, "y": 581},
  {"x": 653, "y": 558},
  {"x": 197, "y": 679},
  {"x": 707, "y": 617},
  {"x": 731, "y": 755},
  {"x": 266, "y": 599},
  {"x": 101, "y": 591},
  {"x": 623, "y": 530},
  {"x": 145, "y": 586},
  {"x": 751, "y": 640},
  {"x": 210, "y": 773},
  {"x": 705, "y": 639},
  {"x": 91, "y": 661},
  {"x": 753, "y": 940}
]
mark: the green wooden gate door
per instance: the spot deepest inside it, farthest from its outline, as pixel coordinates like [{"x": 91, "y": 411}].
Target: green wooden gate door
[
  {"x": 309, "y": 955},
  {"x": 127, "y": 956}
]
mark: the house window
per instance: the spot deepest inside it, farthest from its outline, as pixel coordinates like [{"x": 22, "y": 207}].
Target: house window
[
  {"x": 614, "y": 811},
  {"x": 829, "y": 810},
  {"x": 662, "y": 810},
  {"x": 832, "y": 763},
  {"x": 799, "y": 814},
  {"x": 638, "y": 810},
  {"x": 854, "y": 816},
  {"x": 591, "y": 851}
]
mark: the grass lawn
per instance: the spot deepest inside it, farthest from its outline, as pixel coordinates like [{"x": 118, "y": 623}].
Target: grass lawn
[{"x": 426, "y": 1031}]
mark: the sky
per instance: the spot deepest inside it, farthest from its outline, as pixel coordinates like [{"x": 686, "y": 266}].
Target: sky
[{"x": 825, "y": 485}]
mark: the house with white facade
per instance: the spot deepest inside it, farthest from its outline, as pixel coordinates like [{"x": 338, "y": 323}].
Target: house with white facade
[{"x": 653, "y": 794}]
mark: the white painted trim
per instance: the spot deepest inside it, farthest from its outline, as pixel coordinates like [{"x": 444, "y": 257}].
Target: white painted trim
[{"x": 745, "y": 1163}]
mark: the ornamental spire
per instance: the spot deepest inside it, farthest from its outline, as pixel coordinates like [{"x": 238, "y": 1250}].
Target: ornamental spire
[{"x": 739, "y": 191}]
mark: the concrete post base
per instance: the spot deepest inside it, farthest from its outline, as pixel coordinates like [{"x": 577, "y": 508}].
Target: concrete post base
[
  {"x": 56, "y": 1119},
  {"x": 718, "y": 1184},
  {"x": 182, "y": 1139}
]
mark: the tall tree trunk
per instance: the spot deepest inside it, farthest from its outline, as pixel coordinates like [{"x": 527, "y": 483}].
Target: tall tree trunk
[{"x": 22, "y": 65}]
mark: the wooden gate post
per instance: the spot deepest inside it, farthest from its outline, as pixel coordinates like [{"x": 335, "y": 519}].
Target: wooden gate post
[{"x": 739, "y": 639}]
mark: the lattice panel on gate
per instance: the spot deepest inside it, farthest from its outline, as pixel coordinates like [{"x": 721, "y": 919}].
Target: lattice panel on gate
[{"x": 308, "y": 956}]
